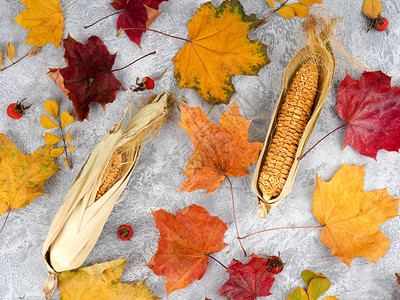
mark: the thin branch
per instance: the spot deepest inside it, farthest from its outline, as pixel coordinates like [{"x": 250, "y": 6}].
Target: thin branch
[
  {"x": 210, "y": 110},
  {"x": 15, "y": 62},
  {"x": 156, "y": 31},
  {"x": 68, "y": 6},
  {"x": 5, "y": 221},
  {"x": 263, "y": 21},
  {"x": 271, "y": 229},
  {"x": 217, "y": 261},
  {"x": 87, "y": 26},
  {"x": 148, "y": 54},
  {"x": 322, "y": 140},
  {"x": 234, "y": 216},
  {"x": 63, "y": 138}
]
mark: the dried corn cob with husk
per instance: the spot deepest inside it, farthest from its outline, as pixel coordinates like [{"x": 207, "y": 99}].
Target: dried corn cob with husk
[
  {"x": 291, "y": 123},
  {"x": 310, "y": 71},
  {"x": 85, "y": 210}
]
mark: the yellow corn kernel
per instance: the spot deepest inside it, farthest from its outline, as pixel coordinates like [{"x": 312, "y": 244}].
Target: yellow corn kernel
[
  {"x": 112, "y": 172},
  {"x": 291, "y": 123}
]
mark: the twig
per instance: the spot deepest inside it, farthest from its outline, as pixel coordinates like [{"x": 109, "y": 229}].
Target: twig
[
  {"x": 217, "y": 260},
  {"x": 87, "y": 26},
  {"x": 15, "y": 62},
  {"x": 271, "y": 229},
  {"x": 156, "y": 31},
  {"x": 5, "y": 221}
]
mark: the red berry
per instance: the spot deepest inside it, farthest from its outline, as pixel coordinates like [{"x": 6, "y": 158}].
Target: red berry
[
  {"x": 16, "y": 110},
  {"x": 125, "y": 232},
  {"x": 381, "y": 24},
  {"x": 274, "y": 265},
  {"x": 149, "y": 83}
]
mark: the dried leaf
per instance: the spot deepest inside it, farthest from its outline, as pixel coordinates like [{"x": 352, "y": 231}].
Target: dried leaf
[
  {"x": 271, "y": 3},
  {"x": 136, "y": 14},
  {"x": 220, "y": 150},
  {"x": 33, "y": 51},
  {"x": 44, "y": 20},
  {"x": 56, "y": 152},
  {"x": 66, "y": 161},
  {"x": 247, "y": 281},
  {"x": 300, "y": 10},
  {"x": 88, "y": 77},
  {"x": 51, "y": 106},
  {"x": 22, "y": 176},
  {"x": 51, "y": 139},
  {"x": 71, "y": 149},
  {"x": 372, "y": 8},
  {"x": 298, "y": 294},
  {"x": 352, "y": 217},
  {"x": 286, "y": 12},
  {"x": 10, "y": 52},
  {"x": 66, "y": 119},
  {"x": 185, "y": 241},
  {"x": 68, "y": 136},
  {"x": 208, "y": 63},
  {"x": 317, "y": 287},
  {"x": 370, "y": 107},
  {"x": 308, "y": 275},
  {"x": 310, "y": 2},
  {"x": 47, "y": 123},
  {"x": 101, "y": 281},
  {"x": 398, "y": 277}
]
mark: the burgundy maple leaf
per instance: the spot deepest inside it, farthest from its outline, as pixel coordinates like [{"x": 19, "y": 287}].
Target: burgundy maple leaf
[
  {"x": 136, "y": 14},
  {"x": 247, "y": 281},
  {"x": 371, "y": 108},
  {"x": 88, "y": 76}
]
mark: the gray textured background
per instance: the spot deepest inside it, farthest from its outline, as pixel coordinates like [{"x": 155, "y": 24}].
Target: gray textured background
[{"x": 159, "y": 172}]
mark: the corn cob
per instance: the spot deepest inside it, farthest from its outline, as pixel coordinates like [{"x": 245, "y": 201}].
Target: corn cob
[
  {"x": 112, "y": 172},
  {"x": 291, "y": 123}
]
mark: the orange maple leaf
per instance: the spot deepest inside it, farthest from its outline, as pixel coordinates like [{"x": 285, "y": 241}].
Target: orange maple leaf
[
  {"x": 185, "y": 241},
  {"x": 351, "y": 216},
  {"x": 220, "y": 150}
]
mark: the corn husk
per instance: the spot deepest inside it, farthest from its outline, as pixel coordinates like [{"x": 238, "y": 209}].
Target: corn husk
[
  {"x": 80, "y": 219},
  {"x": 318, "y": 50}
]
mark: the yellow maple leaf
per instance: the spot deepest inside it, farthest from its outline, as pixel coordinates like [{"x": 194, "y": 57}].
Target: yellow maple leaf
[
  {"x": 22, "y": 176},
  {"x": 372, "y": 8},
  {"x": 44, "y": 20},
  {"x": 351, "y": 216},
  {"x": 101, "y": 282},
  {"x": 219, "y": 49}
]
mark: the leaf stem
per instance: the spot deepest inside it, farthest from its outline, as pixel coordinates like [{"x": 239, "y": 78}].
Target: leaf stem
[
  {"x": 15, "y": 62},
  {"x": 148, "y": 54},
  {"x": 216, "y": 260},
  {"x": 271, "y": 229},
  {"x": 234, "y": 216},
  {"x": 5, "y": 221},
  {"x": 156, "y": 31},
  {"x": 263, "y": 21},
  {"x": 63, "y": 137},
  {"x": 322, "y": 140},
  {"x": 68, "y": 6},
  {"x": 87, "y": 26}
]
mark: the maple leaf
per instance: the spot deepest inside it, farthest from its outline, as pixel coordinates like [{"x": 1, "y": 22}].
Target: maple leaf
[
  {"x": 351, "y": 216},
  {"x": 220, "y": 150},
  {"x": 136, "y": 14},
  {"x": 219, "y": 49},
  {"x": 101, "y": 281},
  {"x": 247, "y": 281},
  {"x": 22, "y": 176},
  {"x": 370, "y": 107},
  {"x": 88, "y": 77},
  {"x": 44, "y": 20},
  {"x": 185, "y": 241}
]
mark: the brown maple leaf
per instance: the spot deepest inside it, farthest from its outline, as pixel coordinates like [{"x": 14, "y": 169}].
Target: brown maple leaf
[
  {"x": 220, "y": 150},
  {"x": 351, "y": 216}
]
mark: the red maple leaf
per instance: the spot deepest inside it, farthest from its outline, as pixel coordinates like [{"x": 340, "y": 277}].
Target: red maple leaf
[
  {"x": 185, "y": 241},
  {"x": 88, "y": 76},
  {"x": 248, "y": 281},
  {"x": 371, "y": 108},
  {"x": 136, "y": 14}
]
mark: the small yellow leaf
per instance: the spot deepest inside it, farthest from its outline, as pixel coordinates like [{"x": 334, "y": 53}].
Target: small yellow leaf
[
  {"x": 66, "y": 118},
  {"x": 300, "y": 10},
  {"x": 310, "y": 2},
  {"x": 33, "y": 51},
  {"x": 72, "y": 149},
  {"x": 66, "y": 162},
  {"x": 47, "y": 123},
  {"x": 317, "y": 287},
  {"x": 286, "y": 12},
  {"x": 10, "y": 51},
  {"x": 372, "y": 8},
  {"x": 331, "y": 298},
  {"x": 56, "y": 152},
  {"x": 51, "y": 106},
  {"x": 297, "y": 294},
  {"x": 308, "y": 275},
  {"x": 68, "y": 137},
  {"x": 271, "y": 3},
  {"x": 51, "y": 139}
]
